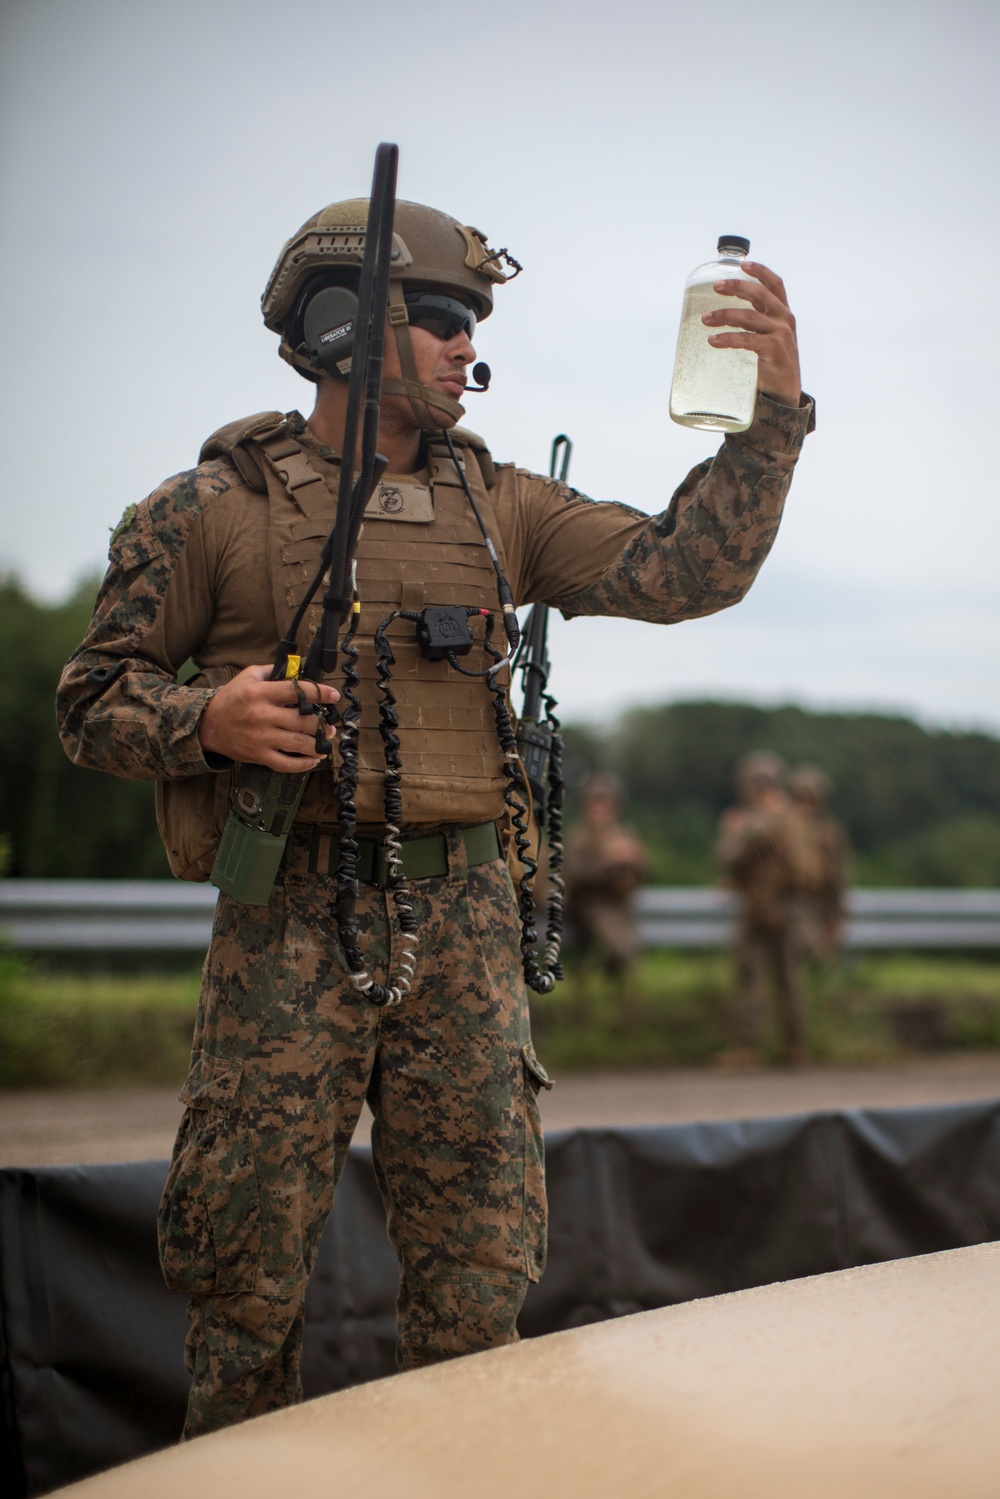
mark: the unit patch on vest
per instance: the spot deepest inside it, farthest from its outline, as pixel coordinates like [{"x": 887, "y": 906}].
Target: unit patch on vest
[{"x": 398, "y": 499}]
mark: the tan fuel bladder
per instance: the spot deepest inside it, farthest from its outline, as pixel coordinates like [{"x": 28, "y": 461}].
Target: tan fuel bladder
[{"x": 863, "y": 1384}]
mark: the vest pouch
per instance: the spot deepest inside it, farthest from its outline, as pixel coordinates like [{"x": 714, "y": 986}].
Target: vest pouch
[
  {"x": 256, "y": 831},
  {"x": 247, "y": 863},
  {"x": 191, "y": 811}
]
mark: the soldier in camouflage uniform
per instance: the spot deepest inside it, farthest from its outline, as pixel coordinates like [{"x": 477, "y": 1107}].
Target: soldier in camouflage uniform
[
  {"x": 825, "y": 887},
  {"x": 605, "y": 864},
  {"x": 767, "y": 859},
  {"x": 209, "y": 569}
]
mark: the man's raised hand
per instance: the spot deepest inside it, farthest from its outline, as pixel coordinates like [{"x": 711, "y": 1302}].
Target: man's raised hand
[{"x": 767, "y": 328}]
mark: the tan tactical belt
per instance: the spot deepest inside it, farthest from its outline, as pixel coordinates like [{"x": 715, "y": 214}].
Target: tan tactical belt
[{"x": 424, "y": 854}]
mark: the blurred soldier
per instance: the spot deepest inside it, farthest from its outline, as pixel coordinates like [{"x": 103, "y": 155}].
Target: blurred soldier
[
  {"x": 821, "y": 901},
  {"x": 605, "y": 864},
  {"x": 766, "y": 859}
]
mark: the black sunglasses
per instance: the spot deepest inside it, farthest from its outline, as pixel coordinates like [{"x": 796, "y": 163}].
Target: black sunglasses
[{"x": 443, "y": 316}]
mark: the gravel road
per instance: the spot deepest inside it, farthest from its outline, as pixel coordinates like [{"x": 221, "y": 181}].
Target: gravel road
[{"x": 62, "y": 1128}]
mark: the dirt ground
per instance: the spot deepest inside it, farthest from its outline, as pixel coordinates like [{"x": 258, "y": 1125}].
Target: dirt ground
[{"x": 64, "y": 1128}]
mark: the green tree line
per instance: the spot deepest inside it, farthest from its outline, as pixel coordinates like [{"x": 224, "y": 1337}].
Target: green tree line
[
  {"x": 922, "y": 806},
  {"x": 60, "y": 822}
]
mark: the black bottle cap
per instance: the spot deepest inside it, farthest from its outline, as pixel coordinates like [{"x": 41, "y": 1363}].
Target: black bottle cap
[{"x": 734, "y": 241}]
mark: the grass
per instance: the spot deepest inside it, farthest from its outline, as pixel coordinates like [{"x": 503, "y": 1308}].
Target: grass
[
  {"x": 64, "y": 1030},
  {"x": 677, "y": 1010},
  {"x": 60, "y": 1030}
]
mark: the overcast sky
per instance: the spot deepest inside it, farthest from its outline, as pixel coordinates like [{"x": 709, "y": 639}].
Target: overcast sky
[{"x": 155, "y": 157}]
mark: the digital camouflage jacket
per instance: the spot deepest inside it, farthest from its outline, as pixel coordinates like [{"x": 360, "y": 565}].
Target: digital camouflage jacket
[{"x": 189, "y": 582}]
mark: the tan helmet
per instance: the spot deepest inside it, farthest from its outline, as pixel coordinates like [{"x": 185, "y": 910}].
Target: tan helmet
[
  {"x": 603, "y": 785},
  {"x": 430, "y": 250},
  {"x": 809, "y": 783},
  {"x": 761, "y": 770}
]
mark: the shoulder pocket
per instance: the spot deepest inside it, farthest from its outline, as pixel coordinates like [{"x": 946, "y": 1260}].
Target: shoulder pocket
[{"x": 137, "y": 546}]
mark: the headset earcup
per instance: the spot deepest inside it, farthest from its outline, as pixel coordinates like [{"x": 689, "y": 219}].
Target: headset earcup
[{"x": 328, "y": 327}]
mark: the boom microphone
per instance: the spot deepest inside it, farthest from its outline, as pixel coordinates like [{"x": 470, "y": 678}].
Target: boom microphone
[{"x": 480, "y": 372}]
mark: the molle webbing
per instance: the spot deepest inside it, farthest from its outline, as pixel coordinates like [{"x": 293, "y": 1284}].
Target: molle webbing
[
  {"x": 452, "y": 764},
  {"x": 470, "y": 441}
]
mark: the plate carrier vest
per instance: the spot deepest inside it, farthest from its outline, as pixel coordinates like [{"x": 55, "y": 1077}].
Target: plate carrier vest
[{"x": 420, "y": 545}]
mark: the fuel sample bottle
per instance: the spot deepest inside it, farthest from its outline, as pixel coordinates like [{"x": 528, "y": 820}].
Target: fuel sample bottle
[{"x": 713, "y": 388}]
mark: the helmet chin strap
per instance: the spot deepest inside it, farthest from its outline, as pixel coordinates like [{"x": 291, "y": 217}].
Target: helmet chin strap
[{"x": 420, "y": 396}]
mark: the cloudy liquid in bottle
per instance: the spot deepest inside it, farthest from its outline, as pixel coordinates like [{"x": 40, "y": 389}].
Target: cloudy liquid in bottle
[{"x": 715, "y": 389}]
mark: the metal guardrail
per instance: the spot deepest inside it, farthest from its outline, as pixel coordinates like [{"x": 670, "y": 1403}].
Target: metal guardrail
[
  {"x": 924, "y": 918},
  {"x": 106, "y": 915},
  {"x": 167, "y": 915}
]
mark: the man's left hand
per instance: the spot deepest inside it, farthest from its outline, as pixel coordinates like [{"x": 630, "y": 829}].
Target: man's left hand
[{"x": 769, "y": 330}]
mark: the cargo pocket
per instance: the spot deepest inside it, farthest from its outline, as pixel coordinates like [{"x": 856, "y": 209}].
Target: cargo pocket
[
  {"x": 209, "y": 1220},
  {"x": 535, "y": 1205}
]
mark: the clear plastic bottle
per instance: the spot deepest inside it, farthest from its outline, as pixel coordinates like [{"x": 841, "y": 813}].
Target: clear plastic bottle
[{"x": 713, "y": 388}]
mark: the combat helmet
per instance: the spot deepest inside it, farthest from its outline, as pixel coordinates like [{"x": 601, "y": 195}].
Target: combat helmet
[
  {"x": 603, "y": 785},
  {"x": 760, "y": 770},
  {"x": 431, "y": 251},
  {"x": 809, "y": 783}
]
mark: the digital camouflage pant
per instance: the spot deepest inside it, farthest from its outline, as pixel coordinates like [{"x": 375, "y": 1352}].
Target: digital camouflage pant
[
  {"x": 770, "y": 961},
  {"x": 285, "y": 1054}
]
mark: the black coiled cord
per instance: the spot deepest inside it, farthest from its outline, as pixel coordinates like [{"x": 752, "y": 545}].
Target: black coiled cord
[
  {"x": 347, "y": 787},
  {"x": 348, "y": 891},
  {"x": 554, "y": 832},
  {"x": 542, "y": 977}
]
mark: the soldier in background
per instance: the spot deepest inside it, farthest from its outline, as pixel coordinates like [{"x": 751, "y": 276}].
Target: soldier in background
[
  {"x": 767, "y": 859},
  {"x": 605, "y": 865},
  {"x": 821, "y": 902}
]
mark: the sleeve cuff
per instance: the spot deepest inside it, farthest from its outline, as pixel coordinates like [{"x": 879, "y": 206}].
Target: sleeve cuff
[
  {"x": 777, "y": 428},
  {"x": 186, "y": 753},
  {"x": 217, "y": 762}
]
